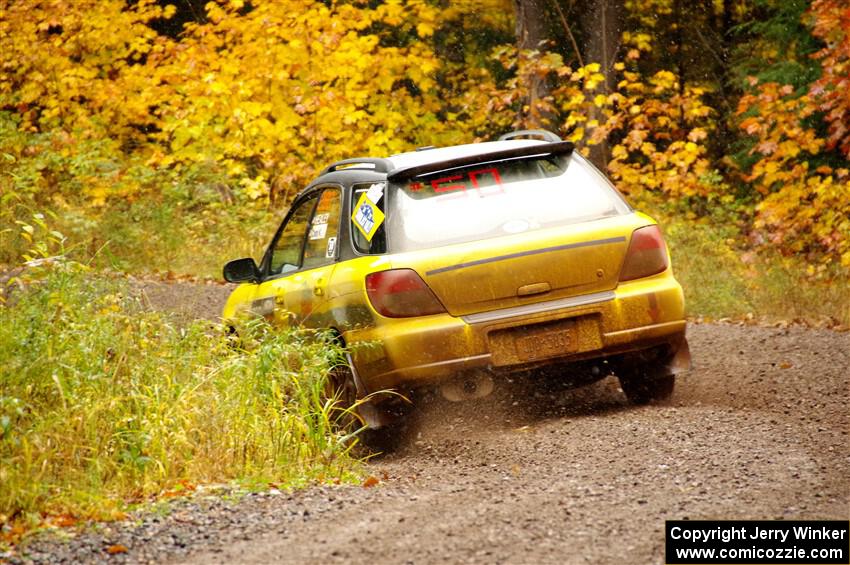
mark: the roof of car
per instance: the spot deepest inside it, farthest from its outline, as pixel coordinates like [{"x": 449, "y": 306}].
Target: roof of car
[
  {"x": 428, "y": 159},
  {"x": 438, "y": 154}
]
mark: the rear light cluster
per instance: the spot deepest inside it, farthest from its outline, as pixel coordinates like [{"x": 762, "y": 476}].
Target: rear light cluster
[
  {"x": 401, "y": 293},
  {"x": 647, "y": 254}
]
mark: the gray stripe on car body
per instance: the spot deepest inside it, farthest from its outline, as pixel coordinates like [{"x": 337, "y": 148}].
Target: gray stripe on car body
[{"x": 527, "y": 253}]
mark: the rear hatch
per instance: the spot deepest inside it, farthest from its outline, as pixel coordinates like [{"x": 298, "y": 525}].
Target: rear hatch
[
  {"x": 502, "y": 234},
  {"x": 525, "y": 269}
]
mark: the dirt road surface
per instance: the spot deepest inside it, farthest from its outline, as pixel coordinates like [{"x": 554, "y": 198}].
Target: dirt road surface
[{"x": 758, "y": 430}]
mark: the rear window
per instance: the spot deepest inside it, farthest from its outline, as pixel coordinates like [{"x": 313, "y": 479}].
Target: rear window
[{"x": 497, "y": 199}]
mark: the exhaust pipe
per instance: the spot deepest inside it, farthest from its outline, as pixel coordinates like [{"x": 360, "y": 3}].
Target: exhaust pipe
[{"x": 468, "y": 386}]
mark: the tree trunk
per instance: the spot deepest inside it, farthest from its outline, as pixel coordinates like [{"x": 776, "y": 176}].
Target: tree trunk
[
  {"x": 602, "y": 24},
  {"x": 532, "y": 31}
]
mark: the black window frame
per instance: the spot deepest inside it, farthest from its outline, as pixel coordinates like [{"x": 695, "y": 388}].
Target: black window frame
[
  {"x": 352, "y": 202},
  {"x": 316, "y": 193}
]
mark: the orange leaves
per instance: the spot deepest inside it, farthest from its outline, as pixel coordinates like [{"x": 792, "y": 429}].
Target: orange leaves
[
  {"x": 802, "y": 209},
  {"x": 831, "y": 19}
]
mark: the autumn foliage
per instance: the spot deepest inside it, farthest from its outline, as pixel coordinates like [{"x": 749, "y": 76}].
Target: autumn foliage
[
  {"x": 99, "y": 107},
  {"x": 804, "y": 185}
]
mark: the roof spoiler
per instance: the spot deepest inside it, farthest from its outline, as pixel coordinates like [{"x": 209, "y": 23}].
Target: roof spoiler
[
  {"x": 543, "y": 134},
  {"x": 559, "y": 148},
  {"x": 366, "y": 163}
]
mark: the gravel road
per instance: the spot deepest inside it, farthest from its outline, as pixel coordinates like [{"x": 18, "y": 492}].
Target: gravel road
[{"x": 758, "y": 430}]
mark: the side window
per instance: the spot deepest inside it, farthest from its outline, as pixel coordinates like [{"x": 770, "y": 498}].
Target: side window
[
  {"x": 378, "y": 244},
  {"x": 287, "y": 252},
  {"x": 324, "y": 230}
]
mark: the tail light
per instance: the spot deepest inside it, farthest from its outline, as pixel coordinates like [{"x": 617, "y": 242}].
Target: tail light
[
  {"x": 647, "y": 254},
  {"x": 401, "y": 293}
]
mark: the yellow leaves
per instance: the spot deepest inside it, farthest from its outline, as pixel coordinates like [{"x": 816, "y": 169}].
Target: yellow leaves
[
  {"x": 306, "y": 80},
  {"x": 619, "y": 153},
  {"x": 641, "y": 41},
  {"x": 770, "y": 168},
  {"x": 218, "y": 87},
  {"x": 255, "y": 188},
  {"x": 353, "y": 117},
  {"x": 587, "y": 72},
  {"x": 97, "y": 194},
  {"x": 662, "y": 132},
  {"x": 425, "y": 29},
  {"x": 663, "y": 80},
  {"x": 391, "y": 12},
  {"x": 790, "y": 148}
]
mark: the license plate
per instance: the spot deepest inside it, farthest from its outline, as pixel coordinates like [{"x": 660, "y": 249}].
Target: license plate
[
  {"x": 531, "y": 343},
  {"x": 549, "y": 344}
]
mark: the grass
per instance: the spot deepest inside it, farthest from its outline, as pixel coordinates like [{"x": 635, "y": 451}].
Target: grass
[
  {"x": 175, "y": 238},
  {"x": 147, "y": 235},
  {"x": 103, "y": 404},
  {"x": 724, "y": 280}
]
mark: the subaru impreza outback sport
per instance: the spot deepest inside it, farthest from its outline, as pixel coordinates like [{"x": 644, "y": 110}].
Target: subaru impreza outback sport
[{"x": 452, "y": 267}]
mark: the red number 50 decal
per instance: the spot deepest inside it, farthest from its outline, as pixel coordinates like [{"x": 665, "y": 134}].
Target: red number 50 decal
[{"x": 440, "y": 185}]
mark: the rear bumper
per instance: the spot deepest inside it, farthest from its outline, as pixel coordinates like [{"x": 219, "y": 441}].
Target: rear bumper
[{"x": 406, "y": 353}]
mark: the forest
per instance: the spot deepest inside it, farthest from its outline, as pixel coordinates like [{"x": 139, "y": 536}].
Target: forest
[
  {"x": 164, "y": 137},
  {"x": 119, "y": 116}
]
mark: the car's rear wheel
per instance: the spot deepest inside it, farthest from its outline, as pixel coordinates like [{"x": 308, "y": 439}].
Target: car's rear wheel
[{"x": 647, "y": 386}]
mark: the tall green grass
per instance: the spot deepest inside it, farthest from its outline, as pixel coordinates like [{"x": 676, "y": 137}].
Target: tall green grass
[
  {"x": 104, "y": 403},
  {"x": 722, "y": 279}
]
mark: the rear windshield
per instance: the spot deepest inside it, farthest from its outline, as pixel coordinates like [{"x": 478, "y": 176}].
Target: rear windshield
[{"x": 497, "y": 199}]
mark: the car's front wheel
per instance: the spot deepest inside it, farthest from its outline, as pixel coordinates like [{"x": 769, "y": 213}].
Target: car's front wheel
[{"x": 341, "y": 391}]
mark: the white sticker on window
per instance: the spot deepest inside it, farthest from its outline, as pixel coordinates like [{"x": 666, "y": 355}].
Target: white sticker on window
[
  {"x": 331, "y": 248},
  {"x": 375, "y": 192},
  {"x": 321, "y": 218},
  {"x": 318, "y": 231}
]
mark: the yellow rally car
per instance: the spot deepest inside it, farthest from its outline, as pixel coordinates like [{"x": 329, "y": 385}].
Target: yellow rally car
[{"x": 455, "y": 265}]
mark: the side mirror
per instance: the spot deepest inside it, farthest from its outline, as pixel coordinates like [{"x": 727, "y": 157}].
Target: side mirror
[{"x": 242, "y": 270}]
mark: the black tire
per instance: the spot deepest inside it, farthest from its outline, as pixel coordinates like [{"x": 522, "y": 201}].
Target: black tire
[
  {"x": 340, "y": 386},
  {"x": 647, "y": 388},
  {"x": 382, "y": 441}
]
